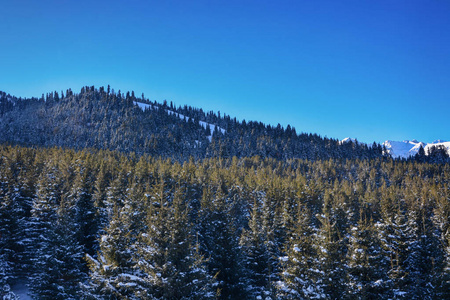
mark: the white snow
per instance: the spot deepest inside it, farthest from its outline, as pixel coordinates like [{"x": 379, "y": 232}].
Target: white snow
[
  {"x": 21, "y": 290},
  {"x": 211, "y": 126},
  {"x": 410, "y": 148},
  {"x": 205, "y": 125},
  {"x": 143, "y": 106},
  {"x": 129, "y": 276},
  {"x": 347, "y": 140}
]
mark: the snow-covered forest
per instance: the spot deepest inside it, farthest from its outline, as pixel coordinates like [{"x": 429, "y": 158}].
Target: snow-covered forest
[
  {"x": 110, "y": 196},
  {"x": 97, "y": 224},
  {"x": 105, "y": 119}
]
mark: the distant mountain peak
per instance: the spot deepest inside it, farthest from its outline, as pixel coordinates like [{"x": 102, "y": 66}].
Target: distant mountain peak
[
  {"x": 439, "y": 141},
  {"x": 347, "y": 140},
  {"x": 408, "y": 148}
]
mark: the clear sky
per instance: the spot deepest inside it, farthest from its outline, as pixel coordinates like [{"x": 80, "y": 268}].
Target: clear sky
[{"x": 371, "y": 70}]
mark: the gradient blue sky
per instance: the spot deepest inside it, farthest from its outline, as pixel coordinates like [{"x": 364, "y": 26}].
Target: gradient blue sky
[{"x": 371, "y": 70}]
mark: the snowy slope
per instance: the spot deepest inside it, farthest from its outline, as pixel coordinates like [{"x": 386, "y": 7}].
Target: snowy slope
[
  {"x": 21, "y": 290},
  {"x": 143, "y": 106},
  {"x": 212, "y": 127},
  {"x": 410, "y": 148},
  {"x": 406, "y": 148},
  {"x": 347, "y": 140}
]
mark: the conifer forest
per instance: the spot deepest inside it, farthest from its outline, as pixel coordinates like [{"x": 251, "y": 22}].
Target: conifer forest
[{"x": 112, "y": 196}]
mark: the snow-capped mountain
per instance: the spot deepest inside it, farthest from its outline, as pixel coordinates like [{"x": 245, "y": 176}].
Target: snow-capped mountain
[
  {"x": 406, "y": 148},
  {"x": 410, "y": 148},
  {"x": 347, "y": 140}
]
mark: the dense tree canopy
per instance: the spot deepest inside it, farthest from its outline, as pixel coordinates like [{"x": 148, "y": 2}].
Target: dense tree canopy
[{"x": 98, "y": 224}]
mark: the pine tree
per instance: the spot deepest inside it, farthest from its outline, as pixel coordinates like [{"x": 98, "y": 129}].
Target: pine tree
[
  {"x": 218, "y": 240},
  {"x": 5, "y": 270},
  {"x": 58, "y": 268},
  {"x": 443, "y": 282},
  {"x": 112, "y": 271},
  {"x": 330, "y": 253},
  {"x": 58, "y": 256},
  {"x": 425, "y": 257},
  {"x": 80, "y": 207},
  {"x": 366, "y": 264},
  {"x": 257, "y": 258},
  {"x": 392, "y": 234},
  {"x": 15, "y": 205},
  {"x": 299, "y": 277},
  {"x": 441, "y": 221},
  {"x": 167, "y": 257},
  {"x": 420, "y": 155},
  {"x": 99, "y": 196}
]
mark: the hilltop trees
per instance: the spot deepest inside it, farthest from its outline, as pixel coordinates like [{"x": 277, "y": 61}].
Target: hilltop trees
[{"x": 102, "y": 119}]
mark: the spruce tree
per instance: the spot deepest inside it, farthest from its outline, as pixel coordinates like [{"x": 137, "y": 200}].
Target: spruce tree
[
  {"x": 366, "y": 264},
  {"x": 424, "y": 262},
  {"x": 16, "y": 193},
  {"x": 5, "y": 270},
  {"x": 218, "y": 241},
  {"x": 443, "y": 282},
  {"x": 112, "y": 271},
  {"x": 441, "y": 221},
  {"x": 392, "y": 233},
  {"x": 169, "y": 263},
  {"x": 80, "y": 207},
  {"x": 254, "y": 244},
  {"x": 299, "y": 277},
  {"x": 331, "y": 260},
  {"x": 57, "y": 261}
]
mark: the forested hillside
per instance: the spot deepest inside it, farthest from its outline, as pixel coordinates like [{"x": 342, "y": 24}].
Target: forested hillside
[
  {"x": 112, "y": 196},
  {"x": 104, "y": 119},
  {"x": 99, "y": 224}
]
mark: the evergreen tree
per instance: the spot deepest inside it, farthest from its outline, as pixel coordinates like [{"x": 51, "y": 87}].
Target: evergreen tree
[
  {"x": 170, "y": 265},
  {"x": 218, "y": 240},
  {"x": 425, "y": 254},
  {"x": 80, "y": 207},
  {"x": 112, "y": 272},
  {"x": 441, "y": 221},
  {"x": 366, "y": 264},
  {"x": 255, "y": 248},
  {"x": 420, "y": 155},
  {"x": 443, "y": 286},
  {"x": 99, "y": 197},
  {"x": 5, "y": 270},
  {"x": 331, "y": 260},
  {"x": 15, "y": 205},
  {"x": 58, "y": 256},
  {"x": 392, "y": 234},
  {"x": 299, "y": 277}
]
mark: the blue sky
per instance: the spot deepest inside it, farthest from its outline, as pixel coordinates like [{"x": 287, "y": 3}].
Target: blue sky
[{"x": 371, "y": 70}]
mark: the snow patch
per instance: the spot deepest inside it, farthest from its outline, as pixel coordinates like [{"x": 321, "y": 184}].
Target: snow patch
[
  {"x": 347, "y": 140},
  {"x": 21, "y": 290},
  {"x": 205, "y": 125},
  {"x": 143, "y": 106}
]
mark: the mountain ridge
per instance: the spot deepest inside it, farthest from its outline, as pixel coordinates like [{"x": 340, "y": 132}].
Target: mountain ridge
[
  {"x": 408, "y": 148},
  {"x": 104, "y": 119}
]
